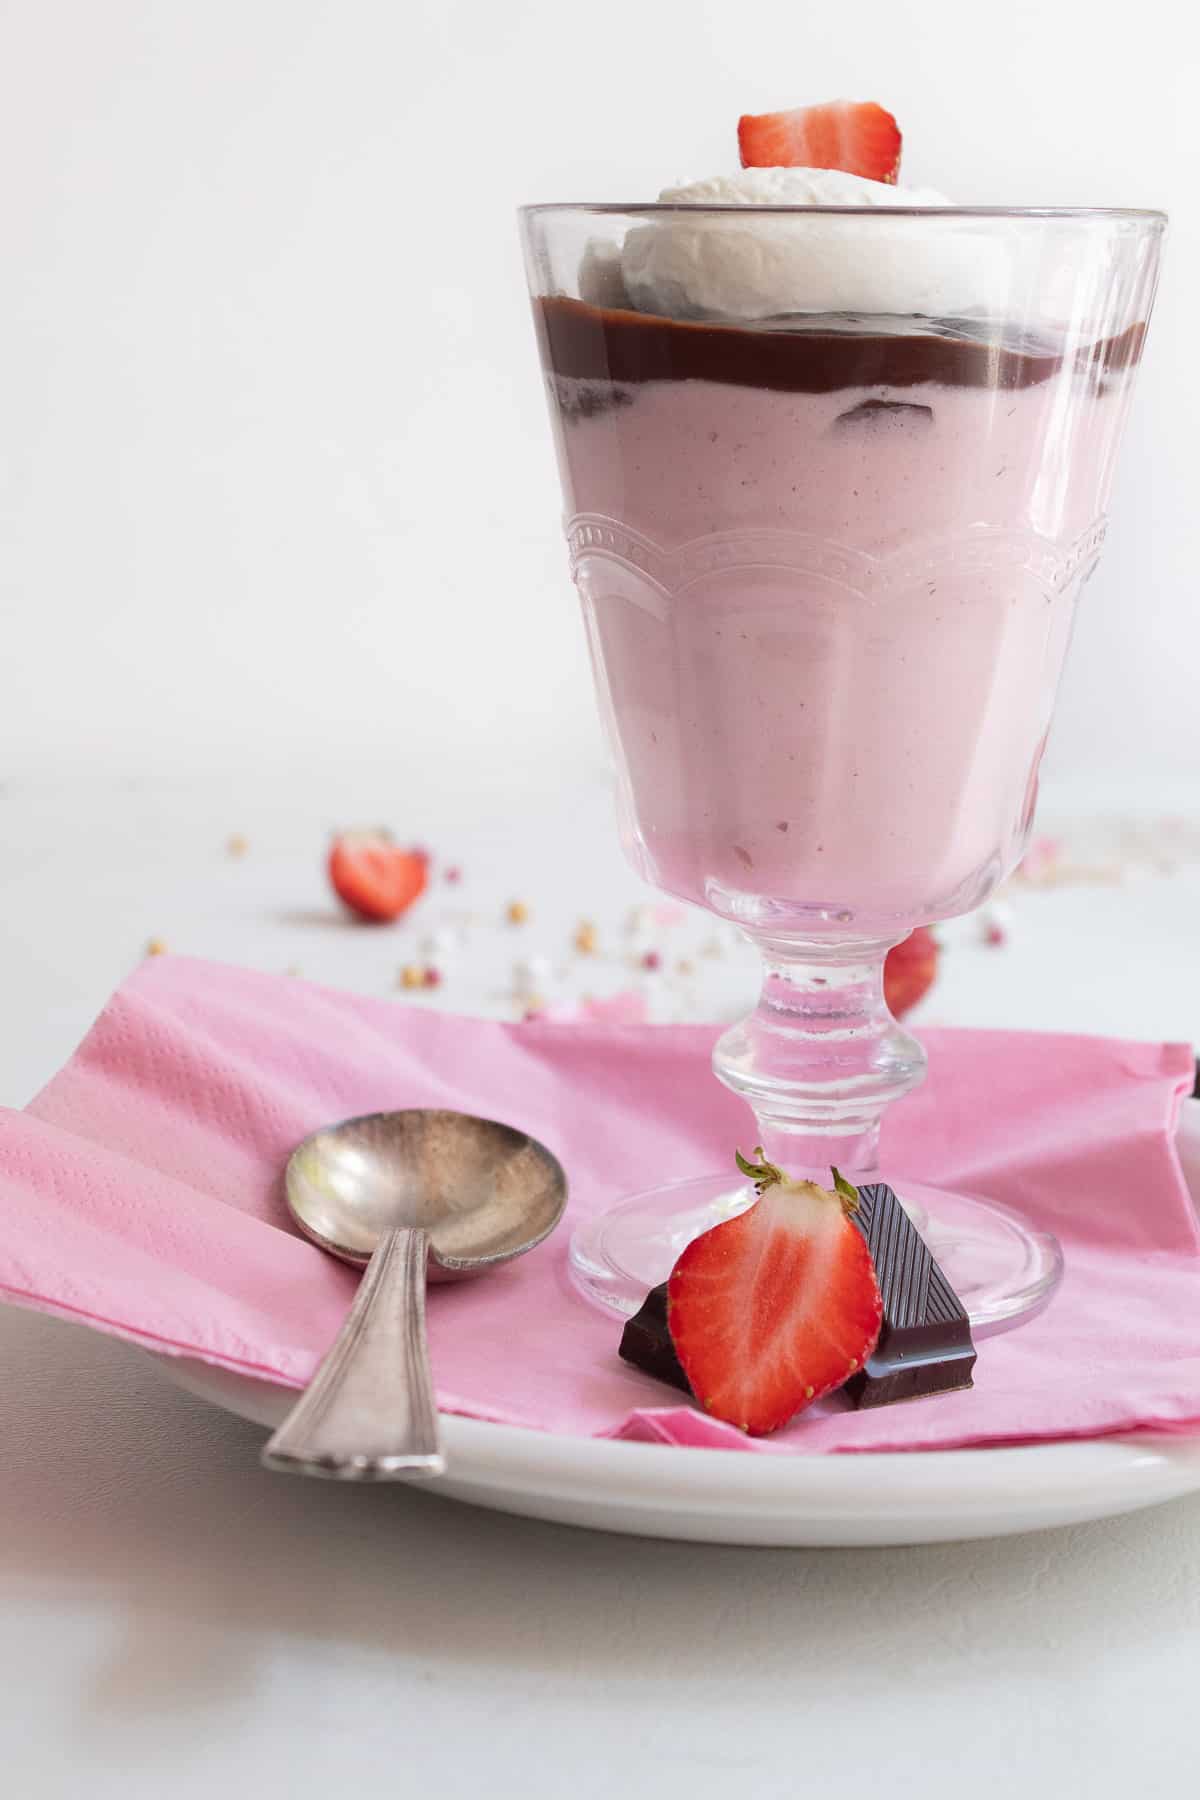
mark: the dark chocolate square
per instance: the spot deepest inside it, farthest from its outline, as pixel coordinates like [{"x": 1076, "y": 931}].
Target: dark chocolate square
[
  {"x": 925, "y": 1342},
  {"x": 646, "y": 1341}
]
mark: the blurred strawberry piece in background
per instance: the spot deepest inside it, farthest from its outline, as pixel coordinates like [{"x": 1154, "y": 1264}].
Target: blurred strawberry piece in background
[{"x": 910, "y": 971}]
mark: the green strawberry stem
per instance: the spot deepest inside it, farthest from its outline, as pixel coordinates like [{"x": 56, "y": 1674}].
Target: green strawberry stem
[
  {"x": 847, "y": 1190},
  {"x": 762, "y": 1174},
  {"x": 766, "y": 1175}
]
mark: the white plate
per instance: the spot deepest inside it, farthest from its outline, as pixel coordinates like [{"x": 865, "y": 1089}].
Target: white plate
[{"x": 724, "y": 1497}]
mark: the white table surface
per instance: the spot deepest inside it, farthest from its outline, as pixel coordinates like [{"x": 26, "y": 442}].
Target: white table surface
[{"x": 175, "y": 1622}]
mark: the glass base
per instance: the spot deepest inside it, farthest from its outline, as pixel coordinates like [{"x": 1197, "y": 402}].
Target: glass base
[{"x": 1001, "y": 1268}]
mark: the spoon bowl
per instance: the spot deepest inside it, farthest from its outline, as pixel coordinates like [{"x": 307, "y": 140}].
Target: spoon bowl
[{"x": 483, "y": 1191}]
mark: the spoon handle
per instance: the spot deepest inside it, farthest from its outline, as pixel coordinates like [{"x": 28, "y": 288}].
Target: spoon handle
[{"x": 369, "y": 1412}]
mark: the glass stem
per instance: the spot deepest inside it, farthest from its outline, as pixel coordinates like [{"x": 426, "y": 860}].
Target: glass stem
[{"x": 821, "y": 1056}]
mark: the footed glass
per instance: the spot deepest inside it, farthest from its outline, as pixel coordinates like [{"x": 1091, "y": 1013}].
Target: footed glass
[{"x": 829, "y": 524}]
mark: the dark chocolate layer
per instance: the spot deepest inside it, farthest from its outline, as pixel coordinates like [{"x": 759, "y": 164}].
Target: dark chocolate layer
[{"x": 608, "y": 344}]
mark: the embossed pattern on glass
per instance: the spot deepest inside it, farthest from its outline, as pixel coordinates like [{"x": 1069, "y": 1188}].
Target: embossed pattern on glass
[{"x": 775, "y": 641}]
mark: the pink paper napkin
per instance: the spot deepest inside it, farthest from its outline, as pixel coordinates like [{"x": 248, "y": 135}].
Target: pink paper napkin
[{"x": 141, "y": 1193}]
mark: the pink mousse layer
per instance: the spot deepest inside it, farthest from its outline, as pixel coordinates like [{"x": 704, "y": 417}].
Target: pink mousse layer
[{"x": 828, "y": 647}]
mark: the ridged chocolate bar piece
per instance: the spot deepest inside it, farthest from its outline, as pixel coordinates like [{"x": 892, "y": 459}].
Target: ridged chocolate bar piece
[{"x": 925, "y": 1344}]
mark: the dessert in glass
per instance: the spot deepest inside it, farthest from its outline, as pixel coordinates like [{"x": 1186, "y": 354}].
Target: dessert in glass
[{"x": 835, "y": 458}]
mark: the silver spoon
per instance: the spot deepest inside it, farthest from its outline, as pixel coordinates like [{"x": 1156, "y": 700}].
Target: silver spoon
[{"x": 408, "y": 1194}]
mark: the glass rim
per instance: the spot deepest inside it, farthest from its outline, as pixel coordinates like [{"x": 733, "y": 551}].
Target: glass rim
[{"x": 666, "y": 208}]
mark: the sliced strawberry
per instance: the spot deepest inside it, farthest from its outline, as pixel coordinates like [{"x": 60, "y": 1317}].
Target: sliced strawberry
[
  {"x": 771, "y": 1310},
  {"x": 373, "y": 877},
  {"x": 854, "y": 135},
  {"x": 910, "y": 971}
]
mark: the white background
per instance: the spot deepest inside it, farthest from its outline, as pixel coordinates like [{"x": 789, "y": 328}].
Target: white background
[
  {"x": 278, "y": 535},
  {"x": 276, "y": 484}
]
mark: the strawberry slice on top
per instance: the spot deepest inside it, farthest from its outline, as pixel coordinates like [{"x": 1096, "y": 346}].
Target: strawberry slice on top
[
  {"x": 778, "y": 1306},
  {"x": 374, "y": 877},
  {"x": 856, "y": 136}
]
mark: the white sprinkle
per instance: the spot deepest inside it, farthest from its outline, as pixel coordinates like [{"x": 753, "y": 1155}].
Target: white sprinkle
[{"x": 531, "y": 973}]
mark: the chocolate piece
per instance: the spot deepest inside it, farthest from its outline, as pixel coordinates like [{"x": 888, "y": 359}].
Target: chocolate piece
[
  {"x": 646, "y": 1342},
  {"x": 579, "y": 400},
  {"x": 925, "y": 1344},
  {"x": 874, "y": 413}
]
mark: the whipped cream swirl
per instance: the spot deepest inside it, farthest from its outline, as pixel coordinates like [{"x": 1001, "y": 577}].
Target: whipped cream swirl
[{"x": 742, "y": 266}]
